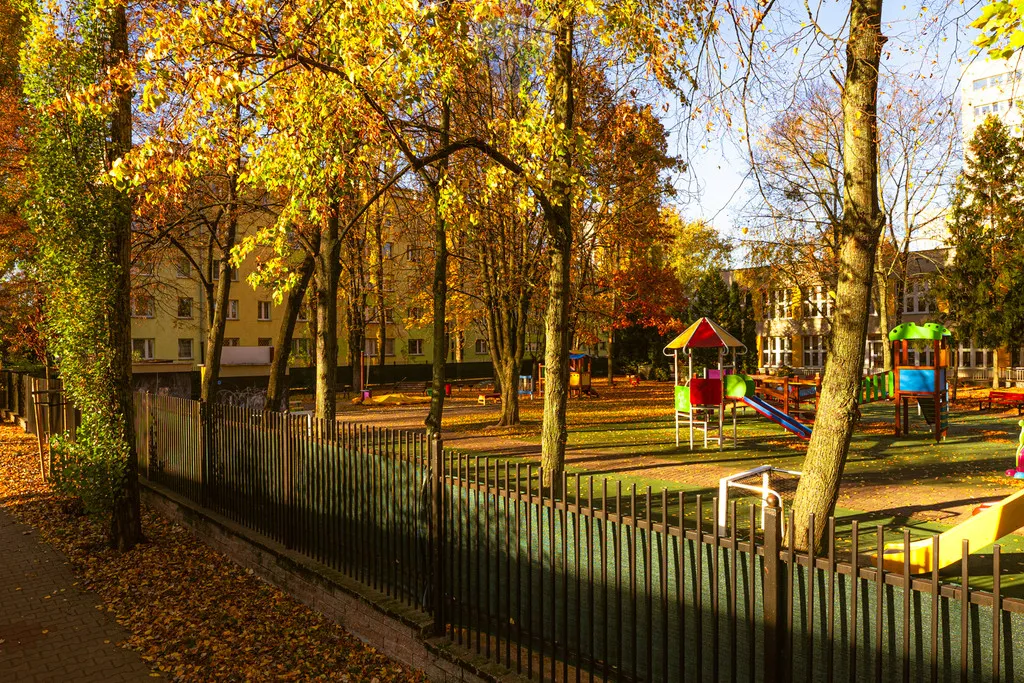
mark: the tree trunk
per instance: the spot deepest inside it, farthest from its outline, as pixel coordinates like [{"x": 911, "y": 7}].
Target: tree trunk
[
  {"x": 995, "y": 368},
  {"x": 215, "y": 334},
  {"x": 439, "y": 286},
  {"x": 326, "y": 276},
  {"x": 861, "y": 227},
  {"x": 355, "y": 316},
  {"x": 277, "y": 385},
  {"x": 611, "y": 357},
  {"x": 382, "y": 323},
  {"x": 558, "y": 223},
  {"x": 882, "y": 302},
  {"x": 126, "y": 519}
]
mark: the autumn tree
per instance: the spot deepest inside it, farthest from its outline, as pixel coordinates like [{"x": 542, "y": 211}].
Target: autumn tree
[{"x": 73, "y": 62}]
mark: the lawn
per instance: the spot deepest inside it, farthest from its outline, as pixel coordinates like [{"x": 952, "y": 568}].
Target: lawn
[{"x": 627, "y": 435}]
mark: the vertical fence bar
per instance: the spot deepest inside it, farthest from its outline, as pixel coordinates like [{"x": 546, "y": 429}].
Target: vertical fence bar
[
  {"x": 437, "y": 529},
  {"x": 965, "y": 608},
  {"x": 774, "y": 622}
]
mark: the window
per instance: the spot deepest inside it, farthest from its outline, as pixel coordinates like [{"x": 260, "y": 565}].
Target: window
[
  {"x": 533, "y": 347},
  {"x": 998, "y": 79},
  {"x": 263, "y": 310},
  {"x": 143, "y": 306},
  {"x": 232, "y": 309},
  {"x": 300, "y": 346},
  {"x": 184, "y": 307},
  {"x": 142, "y": 349},
  {"x": 216, "y": 271},
  {"x": 230, "y": 341},
  {"x": 972, "y": 356},
  {"x": 778, "y": 351},
  {"x": 415, "y": 347},
  {"x": 185, "y": 349},
  {"x": 916, "y": 298},
  {"x": 818, "y": 303},
  {"x": 370, "y": 347},
  {"x": 814, "y": 351},
  {"x": 303, "y": 315},
  {"x": 481, "y": 347},
  {"x": 389, "y": 347},
  {"x": 874, "y": 358},
  {"x": 182, "y": 268},
  {"x": 413, "y": 255},
  {"x": 388, "y": 248},
  {"x": 994, "y": 108},
  {"x": 778, "y": 304},
  {"x": 389, "y": 315},
  {"x": 415, "y": 312},
  {"x": 144, "y": 266},
  {"x": 920, "y": 355},
  {"x": 264, "y": 341}
]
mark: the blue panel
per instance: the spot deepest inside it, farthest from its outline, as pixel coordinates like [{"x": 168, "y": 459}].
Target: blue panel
[{"x": 917, "y": 380}]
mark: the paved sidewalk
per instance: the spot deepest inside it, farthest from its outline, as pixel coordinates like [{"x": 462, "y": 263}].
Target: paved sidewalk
[{"x": 50, "y": 630}]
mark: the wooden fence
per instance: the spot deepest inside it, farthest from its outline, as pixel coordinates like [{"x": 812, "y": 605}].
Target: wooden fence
[{"x": 585, "y": 580}]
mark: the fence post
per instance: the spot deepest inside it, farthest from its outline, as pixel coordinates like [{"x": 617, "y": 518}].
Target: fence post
[
  {"x": 775, "y": 661},
  {"x": 437, "y": 529},
  {"x": 205, "y": 434}
]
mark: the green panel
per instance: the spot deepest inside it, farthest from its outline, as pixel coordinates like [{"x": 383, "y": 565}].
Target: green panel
[{"x": 682, "y": 399}]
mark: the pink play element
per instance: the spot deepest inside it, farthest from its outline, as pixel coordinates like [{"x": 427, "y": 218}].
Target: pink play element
[{"x": 1018, "y": 471}]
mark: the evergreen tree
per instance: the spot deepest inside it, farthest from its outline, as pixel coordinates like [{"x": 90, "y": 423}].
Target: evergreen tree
[{"x": 984, "y": 285}]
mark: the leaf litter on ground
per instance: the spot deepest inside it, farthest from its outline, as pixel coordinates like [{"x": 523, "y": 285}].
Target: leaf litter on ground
[{"x": 193, "y": 614}]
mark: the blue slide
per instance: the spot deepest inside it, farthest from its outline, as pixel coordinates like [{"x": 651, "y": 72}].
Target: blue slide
[{"x": 775, "y": 415}]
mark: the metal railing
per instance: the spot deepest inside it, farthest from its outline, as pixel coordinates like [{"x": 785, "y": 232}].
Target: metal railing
[{"x": 584, "y": 579}]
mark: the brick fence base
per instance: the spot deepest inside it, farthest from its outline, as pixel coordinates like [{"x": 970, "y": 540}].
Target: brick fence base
[{"x": 398, "y": 631}]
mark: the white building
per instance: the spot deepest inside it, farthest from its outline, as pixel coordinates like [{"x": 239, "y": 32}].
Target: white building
[{"x": 991, "y": 87}]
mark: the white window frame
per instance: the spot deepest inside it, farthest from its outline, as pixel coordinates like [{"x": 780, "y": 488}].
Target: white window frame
[
  {"x": 263, "y": 311},
  {"x": 969, "y": 352},
  {"x": 916, "y": 296},
  {"x": 415, "y": 347},
  {"x": 818, "y": 303},
  {"x": 232, "y": 341},
  {"x": 232, "y": 312},
  {"x": 148, "y": 348},
  {"x": 777, "y": 351},
  {"x": 481, "y": 348},
  {"x": 370, "y": 347},
  {"x": 191, "y": 348},
  {"x": 814, "y": 351}
]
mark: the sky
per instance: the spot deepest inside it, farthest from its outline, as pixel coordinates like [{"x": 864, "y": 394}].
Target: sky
[{"x": 922, "y": 40}]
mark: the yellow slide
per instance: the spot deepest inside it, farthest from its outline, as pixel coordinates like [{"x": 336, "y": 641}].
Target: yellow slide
[{"x": 981, "y": 530}]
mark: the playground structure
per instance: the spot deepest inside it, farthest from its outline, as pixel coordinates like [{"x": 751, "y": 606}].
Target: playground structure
[
  {"x": 925, "y": 384},
  {"x": 981, "y": 530},
  {"x": 580, "y": 377},
  {"x": 794, "y": 395},
  {"x": 775, "y": 487},
  {"x": 700, "y": 401}
]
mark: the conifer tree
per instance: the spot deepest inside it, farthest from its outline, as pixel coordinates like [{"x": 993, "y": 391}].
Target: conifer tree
[{"x": 983, "y": 286}]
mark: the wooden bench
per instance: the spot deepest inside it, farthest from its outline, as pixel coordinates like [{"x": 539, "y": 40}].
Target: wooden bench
[
  {"x": 1014, "y": 399},
  {"x": 483, "y": 398}
]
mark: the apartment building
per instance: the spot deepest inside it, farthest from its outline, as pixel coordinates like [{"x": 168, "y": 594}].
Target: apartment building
[
  {"x": 170, "y": 311},
  {"x": 794, "y": 319},
  {"x": 991, "y": 87}
]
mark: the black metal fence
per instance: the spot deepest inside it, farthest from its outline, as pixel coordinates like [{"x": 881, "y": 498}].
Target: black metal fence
[{"x": 583, "y": 580}]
